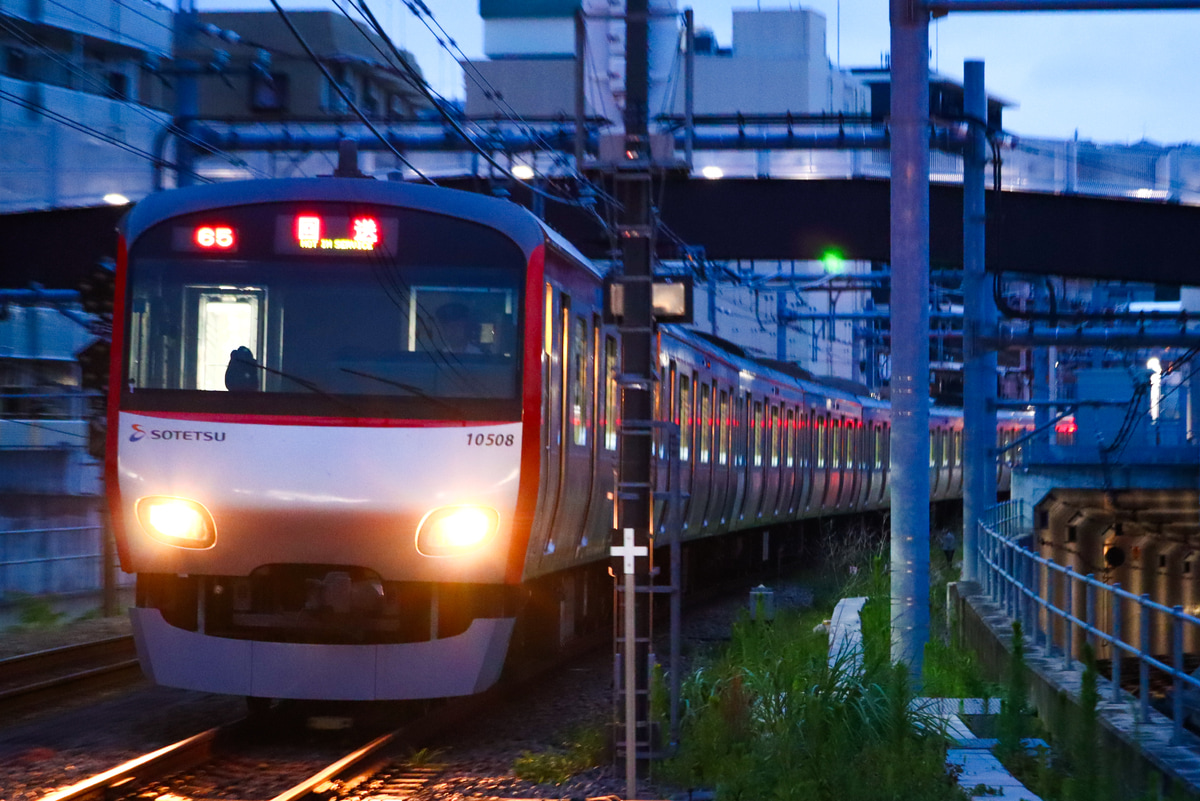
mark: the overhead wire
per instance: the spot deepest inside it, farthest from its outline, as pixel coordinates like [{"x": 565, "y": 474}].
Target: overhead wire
[
  {"x": 135, "y": 10},
  {"x": 440, "y": 103},
  {"x": 86, "y": 129},
  {"x": 138, "y": 108},
  {"x": 344, "y": 94},
  {"x": 45, "y": 428},
  {"x": 448, "y": 43}
]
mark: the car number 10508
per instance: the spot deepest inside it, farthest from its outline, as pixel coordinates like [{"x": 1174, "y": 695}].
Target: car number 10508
[{"x": 490, "y": 440}]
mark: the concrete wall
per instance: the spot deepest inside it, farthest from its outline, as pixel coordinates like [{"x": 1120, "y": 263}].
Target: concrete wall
[
  {"x": 534, "y": 87},
  {"x": 1137, "y": 757}
]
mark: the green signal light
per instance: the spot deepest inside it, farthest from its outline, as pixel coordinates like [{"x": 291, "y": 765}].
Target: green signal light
[{"x": 833, "y": 261}]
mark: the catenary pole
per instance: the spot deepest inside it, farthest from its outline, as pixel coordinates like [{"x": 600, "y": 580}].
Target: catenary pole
[
  {"x": 632, "y": 535},
  {"x": 910, "y": 334},
  {"x": 187, "y": 93},
  {"x": 979, "y": 310}
]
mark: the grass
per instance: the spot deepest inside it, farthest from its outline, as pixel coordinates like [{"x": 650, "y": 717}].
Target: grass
[
  {"x": 584, "y": 749},
  {"x": 770, "y": 718},
  {"x": 34, "y": 612}
]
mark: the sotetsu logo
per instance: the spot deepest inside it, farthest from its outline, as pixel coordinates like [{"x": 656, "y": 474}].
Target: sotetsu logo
[{"x": 140, "y": 433}]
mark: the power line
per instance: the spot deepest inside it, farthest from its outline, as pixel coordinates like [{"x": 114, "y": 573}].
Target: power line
[
  {"x": 99, "y": 83},
  {"x": 86, "y": 129},
  {"x": 344, "y": 95},
  {"x": 43, "y": 427},
  {"x": 480, "y": 80},
  {"x": 439, "y": 104}
]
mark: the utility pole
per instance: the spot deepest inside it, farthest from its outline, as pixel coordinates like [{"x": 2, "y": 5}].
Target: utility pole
[
  {"x": 632, "y": 536},
  {"x": 187, "y": 92},
  {"x": 979, "y": 319},
  {"x": 910, "y": 334}
]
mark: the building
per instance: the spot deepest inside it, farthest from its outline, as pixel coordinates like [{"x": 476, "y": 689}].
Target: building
[
  {"x": 50, "y": 484},
  {"x": 81, "y": 100},
  {"x": 266, "y": 76},
  {"x": 252, "y": 74},
  {"x": 777, "y": 63}
]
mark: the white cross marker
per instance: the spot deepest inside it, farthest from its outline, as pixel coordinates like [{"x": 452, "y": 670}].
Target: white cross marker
[{"x": 628, "y": 551}]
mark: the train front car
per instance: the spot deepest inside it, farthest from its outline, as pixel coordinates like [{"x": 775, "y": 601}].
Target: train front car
[{"x": 315, "y": 435}]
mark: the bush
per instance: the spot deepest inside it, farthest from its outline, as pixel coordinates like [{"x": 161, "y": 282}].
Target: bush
[{"x": 772, "y": 719}]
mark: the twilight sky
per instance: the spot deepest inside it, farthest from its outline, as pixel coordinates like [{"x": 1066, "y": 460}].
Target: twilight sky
[{"x": 1111, "y": 77}]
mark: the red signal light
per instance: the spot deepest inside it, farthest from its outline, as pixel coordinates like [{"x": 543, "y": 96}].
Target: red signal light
[
  {"x": 1066, "y": 426},
  {"x": 214, "y": 237}
]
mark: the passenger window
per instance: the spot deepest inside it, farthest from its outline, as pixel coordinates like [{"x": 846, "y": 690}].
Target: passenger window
[
  {"x": 820, "y": 443},
  {"x": 685, "y": 417},
  {"x": 758, "y": 433},
  {"x": 610, "y": 394},
  {"x": 723, "y": 429},
  {"x": 790, "y": 439},
  {"x": 775, "y": 436}
]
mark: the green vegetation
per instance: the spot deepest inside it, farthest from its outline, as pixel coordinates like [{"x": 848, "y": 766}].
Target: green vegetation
[
  {"x": 1014, "y": 708},
  {"x": 424, "y": 757},
  {"x": 771, "y": 719},
  {"x": 582, "y": 750},
  {"x": 34, "y": 612},
  {"x": 1084, "y": 784}
]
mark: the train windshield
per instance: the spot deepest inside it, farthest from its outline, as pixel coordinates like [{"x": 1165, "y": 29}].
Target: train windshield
[{"x": 346, "y": 336}]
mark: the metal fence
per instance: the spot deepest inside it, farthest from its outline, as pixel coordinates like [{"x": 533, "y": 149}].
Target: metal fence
[
  {"x": 53, "y": 561},
  {"x": 1060, "y": 609}
]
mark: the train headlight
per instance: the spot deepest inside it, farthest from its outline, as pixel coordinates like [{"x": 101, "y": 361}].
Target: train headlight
[
  {"x": 453, "y": 530},
  {"x": 176, "y": 521}
]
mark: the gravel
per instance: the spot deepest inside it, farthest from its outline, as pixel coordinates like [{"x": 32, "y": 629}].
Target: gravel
[
  {"x": 81, "y": 740},
  {"x": 17, "y": 640},
  {"x": 479, "y": 763}
]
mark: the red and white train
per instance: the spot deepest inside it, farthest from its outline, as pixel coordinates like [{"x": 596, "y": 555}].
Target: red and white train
[{"x": 362, "y": 438}]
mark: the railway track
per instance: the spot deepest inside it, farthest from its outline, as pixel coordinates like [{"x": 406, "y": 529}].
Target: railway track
[
  {"x": 219, "y": 757},
  {"x": 233, "y": 761},
  {"x": 234, "y": 756},
  {"x": 32, "y": 680}
]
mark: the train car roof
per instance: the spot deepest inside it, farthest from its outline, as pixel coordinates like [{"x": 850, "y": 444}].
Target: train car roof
[
  {"x": 563, "y": 244},
  {"x": 513, "y": 220},
  {"x": 838, "y": 388}
]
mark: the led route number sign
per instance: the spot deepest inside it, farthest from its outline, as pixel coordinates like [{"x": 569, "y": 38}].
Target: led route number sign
[
  {"x": 214, "y": 237},
  {"x": 312, "y": 234}
]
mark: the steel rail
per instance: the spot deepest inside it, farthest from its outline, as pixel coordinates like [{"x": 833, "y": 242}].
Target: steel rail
[
  {"x": 24, "y": 681},
  {"x": 179, "y": 756}
]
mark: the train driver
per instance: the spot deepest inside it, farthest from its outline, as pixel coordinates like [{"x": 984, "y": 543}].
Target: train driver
[
  {"x": 242, "y": 373},
  {"x": 458, "y": 332}
]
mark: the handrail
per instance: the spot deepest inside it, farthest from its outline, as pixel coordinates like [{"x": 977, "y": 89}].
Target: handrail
[{"x": 1013, "y": 579}]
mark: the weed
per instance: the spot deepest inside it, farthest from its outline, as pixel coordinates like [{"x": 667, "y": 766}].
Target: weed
[
  {"x": 34, "y": 612},
  {"x": 424, "y": 757},
  {"x": 1016, "y": 699},
  {"x": 1086, "y": 785},
  {"x": 773, "y": 719},
  {"x": 585, "y": 749}
]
